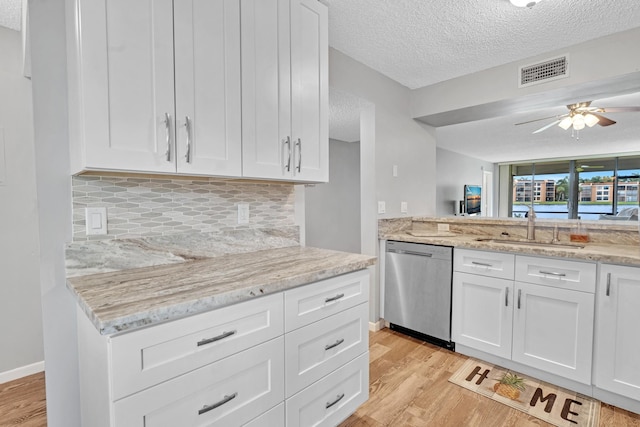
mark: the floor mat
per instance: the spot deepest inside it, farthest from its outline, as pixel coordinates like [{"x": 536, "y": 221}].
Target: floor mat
[{"x": 550, "y": 403}]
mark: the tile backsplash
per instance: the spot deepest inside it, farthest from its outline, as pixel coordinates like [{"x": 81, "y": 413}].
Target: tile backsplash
[{"x": 138, "y": 207}]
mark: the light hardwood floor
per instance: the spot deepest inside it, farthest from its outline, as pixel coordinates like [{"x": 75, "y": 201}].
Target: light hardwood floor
[{"x": 408, "y": 388}]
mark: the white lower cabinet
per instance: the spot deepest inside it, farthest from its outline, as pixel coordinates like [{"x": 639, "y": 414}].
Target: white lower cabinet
[
  {"x": 229, "y": 392},
  {"x": 538, "y": 312},
  {"x": 553, "y": 330},
  {"x": 483, "y": 313},
  {"x": 230, "y": 366},
  {"x": 617, "y": 349},
  {"x": 332, "y": 399}
]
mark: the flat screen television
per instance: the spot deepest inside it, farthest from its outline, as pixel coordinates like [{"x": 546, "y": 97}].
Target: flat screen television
[{"x": 472, "y": 199}]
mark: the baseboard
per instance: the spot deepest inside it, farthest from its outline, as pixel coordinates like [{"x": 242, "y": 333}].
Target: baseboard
[
  {"x": 20, "y": 372},
  {"x": 376, "y": 326}
]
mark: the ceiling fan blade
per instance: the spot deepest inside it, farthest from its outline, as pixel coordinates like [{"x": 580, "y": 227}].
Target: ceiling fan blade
[
  {"x": 603, "y": 121},
  {"x": 618, "y": 109},
  {"x": 544, "y": 118},
  {"x": 543, "y": 128}
]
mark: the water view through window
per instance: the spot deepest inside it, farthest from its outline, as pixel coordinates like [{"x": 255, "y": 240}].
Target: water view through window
[{"x": 592, "y": 189}]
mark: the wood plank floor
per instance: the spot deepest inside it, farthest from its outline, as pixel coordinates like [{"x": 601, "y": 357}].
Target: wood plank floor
[
  {"x": 22, "y": 402},
  {"x": 408, "y": 388}
]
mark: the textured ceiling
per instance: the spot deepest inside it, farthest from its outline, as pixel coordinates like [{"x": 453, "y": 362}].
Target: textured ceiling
[
  {"x": 344, "y": 115},
  {"x": 11, "y": 14},
  {"x": 422, "y": 42}
]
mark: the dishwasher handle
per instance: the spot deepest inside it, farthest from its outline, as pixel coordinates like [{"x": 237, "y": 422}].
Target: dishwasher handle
[{"x": 405, "y": 252}]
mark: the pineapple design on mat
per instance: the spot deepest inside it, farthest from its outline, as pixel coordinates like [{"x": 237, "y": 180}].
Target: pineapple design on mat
[{"x": 509, "y": 386}]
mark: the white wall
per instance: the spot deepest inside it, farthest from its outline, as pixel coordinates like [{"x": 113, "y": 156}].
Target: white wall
[
  {"x": 53, "y": 180},
  {"x": 388, "y": 136},
  {"x": 333, "y": 209},
  {"x": 599, "y": 59},
  {"x": 454, "y": 171},
  {"x": 20, "y": 309}
]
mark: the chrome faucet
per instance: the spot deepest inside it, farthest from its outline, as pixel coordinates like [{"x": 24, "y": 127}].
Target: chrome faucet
[{"x": 531, "y": 224}]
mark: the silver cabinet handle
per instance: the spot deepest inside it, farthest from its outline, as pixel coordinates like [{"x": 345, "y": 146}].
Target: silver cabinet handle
[
  {"x": 552, "y": 273},
  {"x": 338, "y": 399},
  {"x": 335, "y": 344},
  {"x": 482, "y": 264},
  {"x": 608, "y": 284},
  {"x": 337, "y": 297},
  {"x": 506, "y": 297},
  {"x": 299, "y": 145},
  {"x": 287, "y": 165},
  {"x": 187, "y": 125},
  {"x": 167, "y": 128},
  {"x": 519, "y": 296},
  {"x": 214, "y": 339},
  {"x": 402, "y": 251},
  {"x": 207, "y": 408}
]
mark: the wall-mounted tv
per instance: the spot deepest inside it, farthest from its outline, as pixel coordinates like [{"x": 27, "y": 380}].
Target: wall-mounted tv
[{"x": 472, "y": 199}]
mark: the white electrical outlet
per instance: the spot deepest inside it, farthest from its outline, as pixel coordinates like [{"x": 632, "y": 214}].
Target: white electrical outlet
[
  {"x": 395, "y": 170},
  {"x": 382, "y": 207},
  {"x": 404, "y": 207},
  {"x": 96, "y": 220},
  {"x": 443, "y": 227},
  {"x": 243, "y": 213}
]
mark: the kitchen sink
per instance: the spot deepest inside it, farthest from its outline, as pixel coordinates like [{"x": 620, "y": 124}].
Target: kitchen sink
[{"x": 525, "y": 242}]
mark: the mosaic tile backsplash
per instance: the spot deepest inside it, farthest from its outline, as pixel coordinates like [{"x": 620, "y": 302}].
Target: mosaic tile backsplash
[{"x": 139, "y": 207}]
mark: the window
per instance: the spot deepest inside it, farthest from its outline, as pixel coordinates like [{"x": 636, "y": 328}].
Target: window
[{"x": 547, "y": 186}]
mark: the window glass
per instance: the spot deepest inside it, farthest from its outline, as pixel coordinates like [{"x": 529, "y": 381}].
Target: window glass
[
  {"x": 543, "y": 185},
  {"x": 596, "y": 180}
]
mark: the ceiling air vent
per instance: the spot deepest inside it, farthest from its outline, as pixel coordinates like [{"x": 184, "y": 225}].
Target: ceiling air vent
[{"x": 545, "y": 71}]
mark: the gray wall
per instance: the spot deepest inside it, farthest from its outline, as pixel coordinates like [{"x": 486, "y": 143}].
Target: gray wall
[
  {"x": 20, "y": 308},
  {"x": 53, "y": 180},
  {"x": 333, "y": 210},
  {"x": 454, "y": 172}
]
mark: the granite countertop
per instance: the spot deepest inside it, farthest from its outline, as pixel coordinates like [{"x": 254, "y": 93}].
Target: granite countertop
[
  {"x": 122, "y": 300},
  {"x": 605, "y": 252}
]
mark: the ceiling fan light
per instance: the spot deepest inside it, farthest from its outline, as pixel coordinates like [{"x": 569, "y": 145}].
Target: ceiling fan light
[
  {"x": 524, "y": 3},
  {"x": 565, "y": 123},
  {"x": 590, "y": 120},
  {"x": 578, "y": 122}
]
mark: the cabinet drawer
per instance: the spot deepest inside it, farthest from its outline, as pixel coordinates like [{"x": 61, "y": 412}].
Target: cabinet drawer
[
  {"x": 318, "y": 349},
  {"x": 231, "y": 391},
  {"x": 272, "y": 418},
  {"x": 333, "y": 398},
  {"x": 311, "y": 303},
  {"x": 566, "y": 274},
  {"x": 491, "y": 264},
  {"x": 143, "y": 358}
]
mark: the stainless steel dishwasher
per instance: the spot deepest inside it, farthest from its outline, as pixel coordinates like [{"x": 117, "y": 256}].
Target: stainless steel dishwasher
[{"x": 417, "y": 290}]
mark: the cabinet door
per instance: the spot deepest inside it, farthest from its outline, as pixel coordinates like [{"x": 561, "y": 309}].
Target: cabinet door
[
  {"x": 617, "y": 346},
  {"x": 553, "y": 330},
  {"x": 266, "y": 89},
  {"x": 309, "y": 90},
  {"x": 127, "y": 83},
  {"x": 482, "y": 313},
  {"x": 207, "y": 68}
]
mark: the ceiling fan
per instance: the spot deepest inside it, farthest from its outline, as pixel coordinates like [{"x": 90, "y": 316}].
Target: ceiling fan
[{"x": 581, "y": 114}]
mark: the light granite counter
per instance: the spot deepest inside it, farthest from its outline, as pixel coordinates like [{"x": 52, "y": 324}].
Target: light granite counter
[
  {"x": 123, "y": 300},
  {"x": 610, "y": 242}
]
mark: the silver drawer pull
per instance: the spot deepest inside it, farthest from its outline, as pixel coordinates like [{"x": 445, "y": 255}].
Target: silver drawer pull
[
  {"x": 519, "y": 296},
  {"x": 187, "y": 125},
  {"x": 608, "y": 284},
  {"x": 167, "y": 128},
  {"x": 207, "y": 408},
  {"x": 552, "y": 273},
  {"x": 506, "y": 297},
  {"x": 482, "y": 264},
  {"x": 336, "y": 298},
  {"x": 338, "y": 399},
  {"x": 214, "y": 339},
  {"x": 335, "y": 344}
]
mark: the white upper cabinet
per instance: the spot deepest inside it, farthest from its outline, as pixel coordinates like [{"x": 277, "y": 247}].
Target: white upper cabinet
[
  {"x": 285, "y": 89},
  {"x": 207, "y": 67},
  {"x": 181, "y": 87},
  {"x": 121, "y": 85}
]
